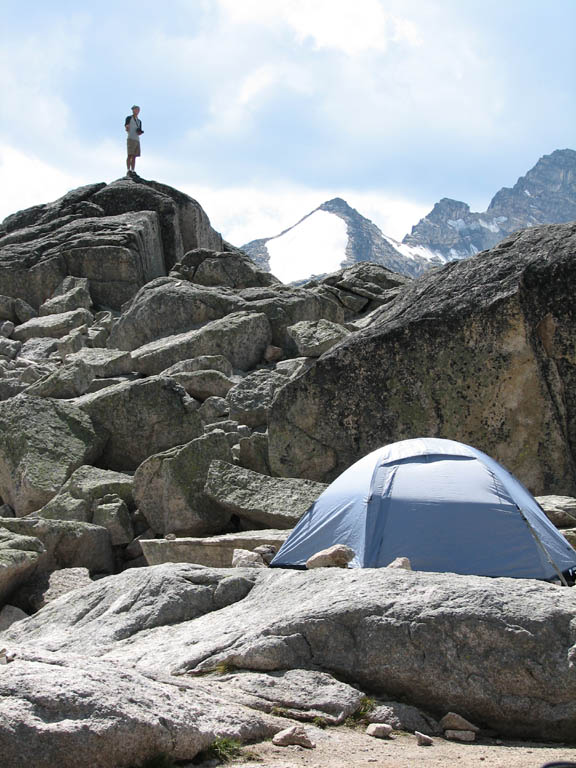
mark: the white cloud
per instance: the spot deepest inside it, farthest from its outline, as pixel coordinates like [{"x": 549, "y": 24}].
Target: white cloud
[
  {"x": 256, "y": 83},
  {"x": 349, "y": 27},
  {"x": 28, "y": 181},
  {"x": 32, "y": 70}
]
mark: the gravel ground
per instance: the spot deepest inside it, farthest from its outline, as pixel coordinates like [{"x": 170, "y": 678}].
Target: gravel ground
[{"x": 349, "y": 748}]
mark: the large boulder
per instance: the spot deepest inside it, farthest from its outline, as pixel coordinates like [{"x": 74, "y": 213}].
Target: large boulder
[
  {"x": 362, "y": 287},
  {"x": 103, "y": 362},
  {"x": 85, "y": 487},
  {"x": 67, "y": 712},
  {"x": 117, "y": 254},
  {"x": 274, "y": 502},
  {"x": 19, "y": 558},
  {"x": 202, "y": 363},
  {"x": 184, "y": 224},
  {"x": 497, "y": 651},
  {"x": 67, "y": 543},
  {"x": 167, "y": 306},
  {"x": 204, "y": 384},
  {"x": 164, "y": 596},
  {"x": 169, "y": 488},
  {"x": 52, "y": 326},
  {"x": 42, "y": 441},
  {"x": 141, "y": 418},
  {"x": 241, "y": 337},
  {"x": 251, "y": 398},
  {"x": 481, "y": 351},
  {"x": 15, "y": 310},
  {"x": 119, "y": 236},
  {"x": 45, "y": 586},
  {"x": 253, "y": 453},
  {"x": 72, "y": 293},
  {"x": 313, "y": 339},
  {"x": 285, "y": 305},
  {"x": 231, "y": 269},
  {"x": 300, "y": 694},
  {"x": 68, "y": 381}
]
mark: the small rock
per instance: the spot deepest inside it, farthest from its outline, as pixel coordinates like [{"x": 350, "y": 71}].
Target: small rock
[
  {"x": 460, "y": 735},
  {"x": 403, "y": 717},
  {"x": 6, "y": 328},
  {"x": 244, "y": 558},
  {"x": 273, "y": 354},
  {"x": 400, "y": 562},
  {"x": 379, "y": 730},
  {"x": 9, "y": 614},
  {"x": 213, "y": 408},
  {"x": 455, "y": 722},
  {"x": 112, "y": 513},
  {"x": 337, "y": 556},
  {"x": 9, "y": 348},
  {"x": 422, "y": 740},
  {"x": 134, "y": 549},
  {"x": 295, "y": 735},
  {"x": 6, "y": 657},
  {"x": 266, "y": 552}
]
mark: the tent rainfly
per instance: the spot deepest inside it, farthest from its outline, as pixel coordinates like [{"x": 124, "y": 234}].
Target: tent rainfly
[{"x": 445, "y": 505}]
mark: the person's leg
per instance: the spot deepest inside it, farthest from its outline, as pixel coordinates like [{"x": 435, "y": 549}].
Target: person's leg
[{"x": 128, "y": 162}]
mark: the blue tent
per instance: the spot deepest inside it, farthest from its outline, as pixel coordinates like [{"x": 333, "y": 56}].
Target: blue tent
[{"x": 446, "y": 506}]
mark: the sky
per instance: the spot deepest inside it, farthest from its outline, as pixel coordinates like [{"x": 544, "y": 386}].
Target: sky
[{"x": 264, "y": 109}]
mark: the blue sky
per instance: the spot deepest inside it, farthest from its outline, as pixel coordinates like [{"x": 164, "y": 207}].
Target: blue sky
[{"x": 263, "y": 109}]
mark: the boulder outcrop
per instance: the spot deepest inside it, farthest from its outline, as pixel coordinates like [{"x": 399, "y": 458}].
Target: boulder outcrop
[
  {"x": 67, "y": 543},
  {"x": 42, "y": 441},
  {"x": 119, "y": 236},
  {"x": 251, "y": 398},
  {"x": 231, "y": 269},
  {"x": 84, "y": 488},
  {"x": 273, "y": 502},
  {"x": 497, "y": 651},
  {"x": 19, "y": 557},
  {"x": 241, "y": 338},
  {"x": 169, "y": 488},
  {"x": 110, "y": 715},
  {"x": 481, "y": 351},
  {"x": 141, "y": 418}
]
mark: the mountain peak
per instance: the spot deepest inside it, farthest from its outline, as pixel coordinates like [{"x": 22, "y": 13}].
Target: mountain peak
[
  {"x": 336, "y": 205},
  {"x": 545, "y": 195}
]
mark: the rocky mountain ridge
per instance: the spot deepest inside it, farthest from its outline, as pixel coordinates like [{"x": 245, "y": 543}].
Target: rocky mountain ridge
[
  {"x": 545, "y": 195},
  {"x": 299, "y": 249},
  {"x": 165, "y": 403}
]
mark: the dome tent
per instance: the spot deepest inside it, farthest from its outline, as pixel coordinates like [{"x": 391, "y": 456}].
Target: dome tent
[{"x": 445, "y": 505}]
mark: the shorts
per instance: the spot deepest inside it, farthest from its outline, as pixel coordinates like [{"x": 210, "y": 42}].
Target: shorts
[{"x": 134, "y": 147}]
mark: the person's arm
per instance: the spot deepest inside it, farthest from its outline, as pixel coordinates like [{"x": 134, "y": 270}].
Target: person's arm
[{"x": 127, "y": 123}]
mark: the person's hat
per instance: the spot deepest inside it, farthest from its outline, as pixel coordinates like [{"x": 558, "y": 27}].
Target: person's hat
[{"x": 134, "y": 106}]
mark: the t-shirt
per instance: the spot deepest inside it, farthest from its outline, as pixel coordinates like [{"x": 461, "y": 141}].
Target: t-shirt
[{"x": 134, "y": 125}]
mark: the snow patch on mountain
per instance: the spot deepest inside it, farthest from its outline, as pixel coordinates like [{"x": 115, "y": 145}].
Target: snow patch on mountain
[
  {"x": 416, "y": 252},
  {"x": 317, "y": 244}
]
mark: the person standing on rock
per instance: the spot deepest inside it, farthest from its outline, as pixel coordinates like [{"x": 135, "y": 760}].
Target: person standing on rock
[{"x": 134, "y": 130}]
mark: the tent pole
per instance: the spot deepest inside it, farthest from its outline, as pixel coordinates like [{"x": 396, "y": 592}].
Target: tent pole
[{"x": 543, "y": 548}]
